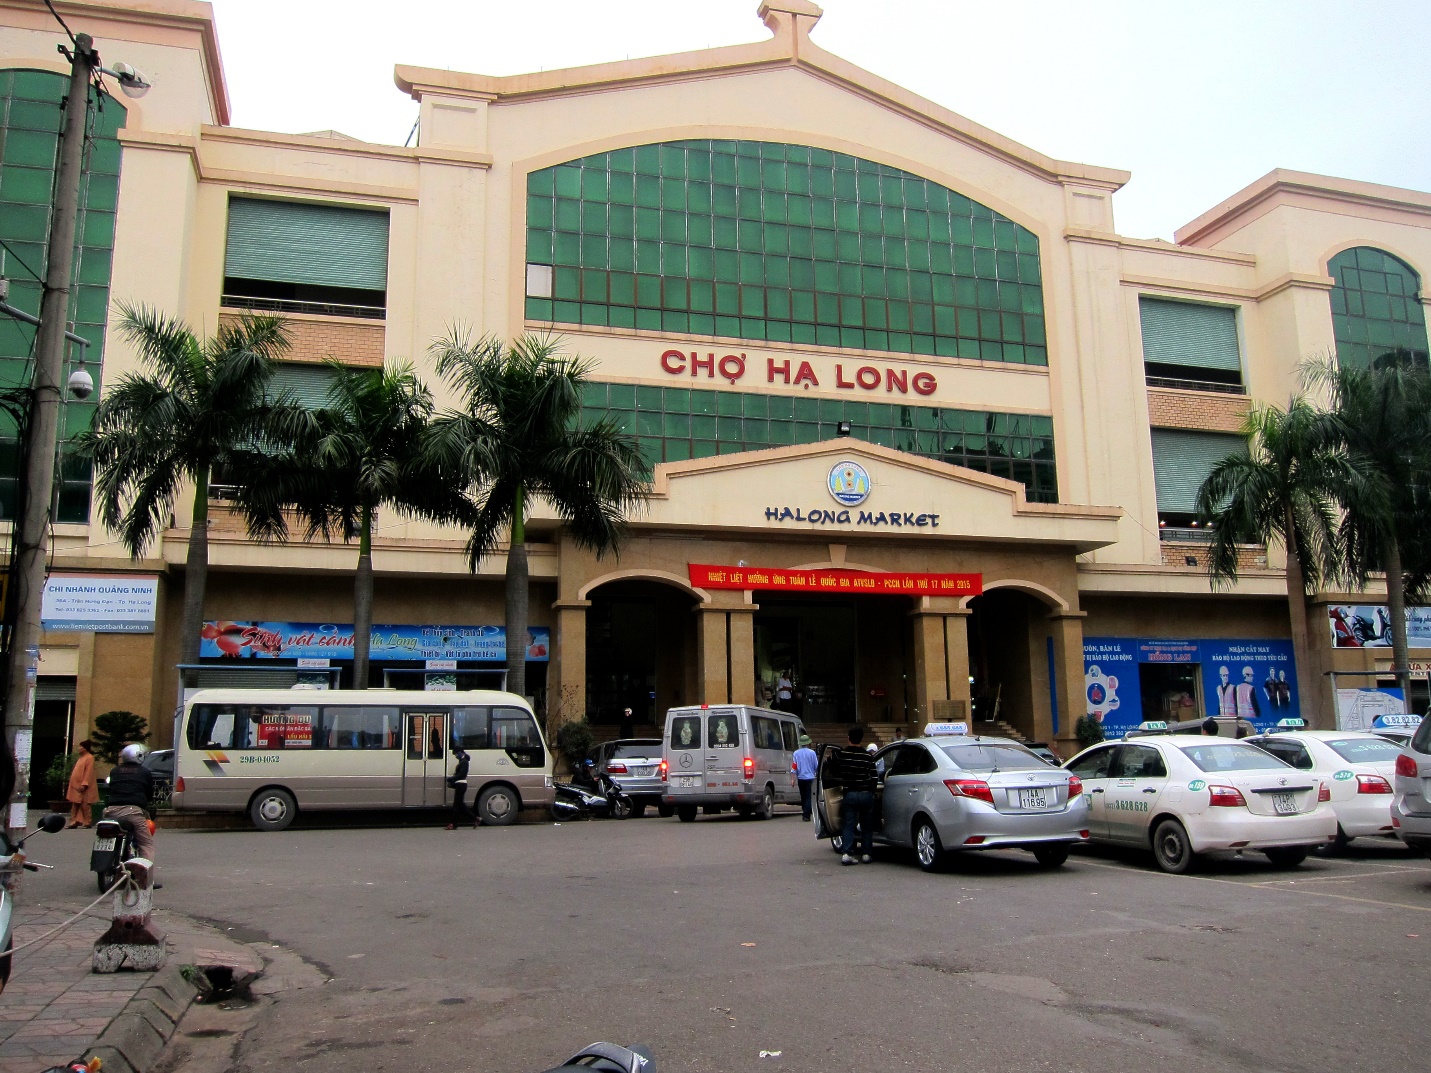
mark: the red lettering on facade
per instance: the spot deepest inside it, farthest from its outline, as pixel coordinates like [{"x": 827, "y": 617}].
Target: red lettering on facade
[
  {"x": 771, "y": 369},
  {"x": 840, "y": 380},
  {"x": 673, "y": 361},
  {"x": 707, "y": 363},
  {"x": 868, "y": 377},
  {"x": 924, "y": 383},
  {"x": 806, "y": 374},
  {"x": 896, "y": 378}
]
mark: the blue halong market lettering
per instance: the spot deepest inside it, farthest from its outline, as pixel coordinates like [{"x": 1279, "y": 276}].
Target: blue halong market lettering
[{"x": 819, "y": 516}]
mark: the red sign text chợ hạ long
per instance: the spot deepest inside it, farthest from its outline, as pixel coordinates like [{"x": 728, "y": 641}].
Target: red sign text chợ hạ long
[{"x": 706, "y": 576}]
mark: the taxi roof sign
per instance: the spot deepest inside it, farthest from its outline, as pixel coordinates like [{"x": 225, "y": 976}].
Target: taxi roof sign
[
  {"x": 934, "y": 730},
  {"x": 1397, "y": 719},
  {"x": 1153, "y": 725},
  {"x": 1292, "y": 723}
]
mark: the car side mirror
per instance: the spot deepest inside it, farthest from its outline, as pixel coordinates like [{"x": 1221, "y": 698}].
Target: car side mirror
[{"x": 52, "y": 822}]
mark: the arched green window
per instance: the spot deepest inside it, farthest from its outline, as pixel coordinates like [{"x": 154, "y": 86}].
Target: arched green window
[
  {"x": 1376, "y": 306},
  {"x": 763, "y": 241},
  {"x": 30, "y": 119}
]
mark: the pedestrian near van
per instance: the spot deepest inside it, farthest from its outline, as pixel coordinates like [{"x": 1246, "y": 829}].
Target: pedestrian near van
[
  {"x": 805, "y": 764},
  {"x": 458, "y": 781},
  {"x": 82, "y": 791},
  {"x": 856, "y": 772}
]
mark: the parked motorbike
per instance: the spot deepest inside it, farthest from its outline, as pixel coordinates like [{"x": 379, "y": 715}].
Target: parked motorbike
[
  {"x": 113, "y": 845},
  {"x": 609, "y": 1058},
  {"x": 597, "y": 796},
  {"x": 12, "y": 859}
]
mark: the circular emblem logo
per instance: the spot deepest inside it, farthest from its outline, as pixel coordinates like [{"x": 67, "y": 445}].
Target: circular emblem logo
[
  {"x": 849, "y": 483},
  {"x": 1197, "y": 784},
  {"x": 1344, "y": 775}
]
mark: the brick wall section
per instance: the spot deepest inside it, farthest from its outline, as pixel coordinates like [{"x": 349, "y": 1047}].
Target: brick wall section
[
  {"x": 1206, "y": 411},
  {"x": 1176, "y": 556},
  {"x": 353, "y": 342}
]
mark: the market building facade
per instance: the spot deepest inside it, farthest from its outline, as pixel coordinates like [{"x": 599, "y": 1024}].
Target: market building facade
[{"x": 873, "y": 351}]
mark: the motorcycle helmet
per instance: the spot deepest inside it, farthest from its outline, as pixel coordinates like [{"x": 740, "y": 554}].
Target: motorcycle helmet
[{"x": 132, "y": 754}]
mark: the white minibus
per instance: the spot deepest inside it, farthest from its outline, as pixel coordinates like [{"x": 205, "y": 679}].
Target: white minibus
[
  {"x": 733, "y": 756},
  {"x": 272, "y": 752}
]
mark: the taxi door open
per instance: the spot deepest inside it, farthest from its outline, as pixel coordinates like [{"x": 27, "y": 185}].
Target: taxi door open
[
  {"x": 1136, "y": 780},
  {"x": 1093, "y": 768},
  {"x": 827, "y": 798}
]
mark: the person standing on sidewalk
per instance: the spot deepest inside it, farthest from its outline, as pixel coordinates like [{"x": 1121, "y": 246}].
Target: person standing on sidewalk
[
  {"x": 856, "y": 770},
  {"x": 458, "y": 781},
  {"x": 82, "y": 791},
  {"x": 805, "y": 765},
  {"x": 131, "y": 791}
]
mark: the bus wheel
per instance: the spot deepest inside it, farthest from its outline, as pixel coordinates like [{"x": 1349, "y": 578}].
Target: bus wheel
[
  {"x": 498, "y": 806},
  {"x": 272, "y": 810}
]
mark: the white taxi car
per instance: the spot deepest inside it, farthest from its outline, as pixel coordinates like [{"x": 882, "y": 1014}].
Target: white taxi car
[
  {"x": 1182, "y": 795},
  {"x": 1359, "y": 767}
]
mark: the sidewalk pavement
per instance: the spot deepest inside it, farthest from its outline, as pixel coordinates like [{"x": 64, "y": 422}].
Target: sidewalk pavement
[{"x": 54, "y": 1007}]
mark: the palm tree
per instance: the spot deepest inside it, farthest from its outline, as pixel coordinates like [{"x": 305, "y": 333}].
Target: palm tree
[
  {"x": 517, "y": 440},
  {"x": 1381, "y": 417},
  {"x": 1283, "y": 490},
  {"x": 199, "y": 404},
  {"x": 339, "y": 465}
]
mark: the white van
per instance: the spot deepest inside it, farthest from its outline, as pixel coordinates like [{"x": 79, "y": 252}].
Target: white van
[{"x": 732, "y": 756}]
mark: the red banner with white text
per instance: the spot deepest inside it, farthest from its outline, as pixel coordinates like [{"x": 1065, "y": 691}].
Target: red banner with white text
[{"x": 895, "y": 583}]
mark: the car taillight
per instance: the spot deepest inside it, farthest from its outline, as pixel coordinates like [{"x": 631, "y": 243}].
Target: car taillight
[
  {"x": 1075, "y": 786},
  {"x": 749, "y": 768},
  {"x": 616, "y": 768},
  {"x": 179, "y": 784},
  {"x": 1406, "y": 766},
  {"x": 665, "y": 769},
  {"x": 1372, "y": 784},
  {"x": 1226, "y": 797},
  {"x": 978, "y": 789},
  {"x": 1324, "y": 792}
]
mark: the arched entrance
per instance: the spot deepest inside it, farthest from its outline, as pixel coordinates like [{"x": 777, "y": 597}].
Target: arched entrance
[
  {"x": 640, "y": 651},
  {"x": 1009, "y": 661}
]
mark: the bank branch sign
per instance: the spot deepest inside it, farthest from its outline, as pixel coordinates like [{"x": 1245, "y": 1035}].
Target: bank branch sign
[
  {"x": 844, "y": 582},
  {"x": 97, "y": 603}
]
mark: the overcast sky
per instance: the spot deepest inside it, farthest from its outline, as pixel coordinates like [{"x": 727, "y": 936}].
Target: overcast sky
[{"x": 1196, "y": 99}]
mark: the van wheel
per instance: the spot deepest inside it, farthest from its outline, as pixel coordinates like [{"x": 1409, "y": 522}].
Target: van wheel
[
  {"x": 1172, "y": 848},
  {"x": 927, "y": 847},
  {"x": 687, "y": 813},
  {"x": 272, "y": 810},
  {"x": 498, "y": 806},
  {"x": 665, "y": 811},
  {"x": 766, "y": 808}
]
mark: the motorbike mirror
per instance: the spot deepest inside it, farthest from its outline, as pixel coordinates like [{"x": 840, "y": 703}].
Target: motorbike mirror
[
  {"x": 591, "y": 763},
  {"x": 52, "y": 822}
]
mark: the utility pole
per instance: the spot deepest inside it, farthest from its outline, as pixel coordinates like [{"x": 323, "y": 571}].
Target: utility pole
[{"x": 41, "y": 433}]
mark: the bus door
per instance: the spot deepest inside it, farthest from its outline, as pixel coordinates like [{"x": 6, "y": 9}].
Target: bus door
[{"x": 424, "y": 768}]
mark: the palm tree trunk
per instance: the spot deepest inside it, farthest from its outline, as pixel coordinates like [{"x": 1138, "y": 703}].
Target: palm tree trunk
[
  {"x": 518, "y": 598},
  {"x": 196, "y": 574},
  {"x": 1312, "y": 699},
  {"x": 363, "y": 600},
  {"x": 1396, "y": 605}
]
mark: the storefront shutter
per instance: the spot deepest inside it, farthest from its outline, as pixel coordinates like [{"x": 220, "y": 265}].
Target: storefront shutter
[
  {"x": 308, "y": 384},
  {"x": 321, "y": 245},
  {"x": 1182, "y": 333},
  {"x": 1182, "y": 461},
  {"x": 246, "y": 677},
  {"x": 54, "y": 687}
]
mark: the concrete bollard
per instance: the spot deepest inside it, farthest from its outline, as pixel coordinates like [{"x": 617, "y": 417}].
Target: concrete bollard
[{"x": 132, "y": 941}]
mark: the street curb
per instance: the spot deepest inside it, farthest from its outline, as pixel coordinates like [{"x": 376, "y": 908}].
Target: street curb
[{"x": 134, "y": 1040}]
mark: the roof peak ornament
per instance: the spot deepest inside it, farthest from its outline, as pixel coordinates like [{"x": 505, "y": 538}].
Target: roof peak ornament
[{"x": 801, "y": 15}]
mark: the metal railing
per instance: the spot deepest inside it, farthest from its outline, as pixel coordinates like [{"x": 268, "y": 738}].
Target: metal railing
[
  {"x": 1195, "y": 385},
  {"x": 285, "y": 305},
  {"x": 1170, "y": 534}
]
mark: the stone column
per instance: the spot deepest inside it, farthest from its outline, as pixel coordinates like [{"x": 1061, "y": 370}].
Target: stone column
[
  {"x": 1066, "y": 629},
  {"x": 566, "y": 687},
  {"x": 742, "y": 653},
  {"x": 712, "y": 685},
  {"x": 941, "y": 661}
]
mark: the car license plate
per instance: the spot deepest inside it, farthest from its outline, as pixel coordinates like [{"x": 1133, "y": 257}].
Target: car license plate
[
  {"x": 103, "y": 845},
  {"x": 1033, "y": 798},
  {"x": 1284, "y": 804},
  {"x": 643, "y": 772},
  {"x": 686, "y": 780}
]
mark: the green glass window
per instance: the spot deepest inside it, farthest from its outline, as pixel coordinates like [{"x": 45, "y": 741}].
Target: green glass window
[
  {"x": 673, "y": 424},
  {"x": 1376, "y": 306},
  {"x": 787, "y": 243},
  {"x": 30, "y": 120}
]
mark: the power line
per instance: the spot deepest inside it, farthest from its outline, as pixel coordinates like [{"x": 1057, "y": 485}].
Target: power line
[{"x": 62, "y": 22}]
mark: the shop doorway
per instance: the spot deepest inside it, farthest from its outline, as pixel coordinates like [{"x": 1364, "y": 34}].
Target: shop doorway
[
  {"x": 640, "y": 652},
  {"x": 53, "y": 734},
  {"x": 1007, "y": 659},
  {"x": 1171, "y": 691}
]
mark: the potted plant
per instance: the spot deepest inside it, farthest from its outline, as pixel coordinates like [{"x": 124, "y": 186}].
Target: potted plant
[{"x": 57, "y": 779}]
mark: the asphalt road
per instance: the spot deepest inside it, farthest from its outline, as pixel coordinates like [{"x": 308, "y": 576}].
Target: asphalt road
[{"x": 503, "y": 950}]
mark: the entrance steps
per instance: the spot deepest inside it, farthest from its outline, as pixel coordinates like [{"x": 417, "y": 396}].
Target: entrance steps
[
  {"x": 611, "y": 733},
  {"x": 1001, "y": 729}
]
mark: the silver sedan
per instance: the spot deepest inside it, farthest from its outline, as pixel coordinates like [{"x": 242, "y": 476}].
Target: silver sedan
[{"x": 947, "y": 794}]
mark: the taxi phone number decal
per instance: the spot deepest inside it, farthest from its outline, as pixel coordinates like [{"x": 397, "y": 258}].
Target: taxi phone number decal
[{"x": 1128, "y": 806}]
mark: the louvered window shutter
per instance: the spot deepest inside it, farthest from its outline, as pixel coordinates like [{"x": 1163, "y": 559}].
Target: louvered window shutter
[
  {"x": 307, "y": 384},
  {"x": 1182, "y": 333},
  {"x": 319, "y": 245},
  {"x": 1182, "y": 461}
]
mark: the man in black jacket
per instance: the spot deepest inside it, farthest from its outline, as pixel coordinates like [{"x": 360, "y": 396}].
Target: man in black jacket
[
  {"x": 855, "y": 769},
  {"x": 458, "y": 781},
  {"x": 131, "y": 789}
]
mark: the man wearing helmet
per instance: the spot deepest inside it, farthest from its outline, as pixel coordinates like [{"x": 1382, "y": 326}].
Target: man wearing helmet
[{"x": 131, "y": 788}]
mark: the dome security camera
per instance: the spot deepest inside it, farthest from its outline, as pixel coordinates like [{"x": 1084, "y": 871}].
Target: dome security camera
[{"x": 80, "y": 384}]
